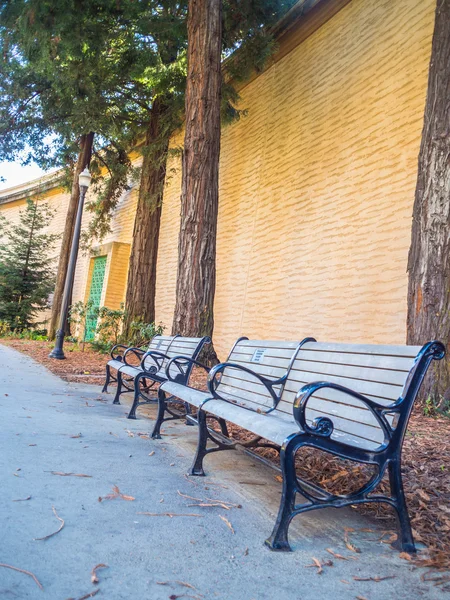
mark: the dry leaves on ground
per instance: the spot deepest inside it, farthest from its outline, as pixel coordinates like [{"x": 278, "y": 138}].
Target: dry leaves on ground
[
  {"x": 38, "y": 583},
  {"x": 94, "y": 578},
  {"x": 116, "y": 493},
  {"x": 46, "y": 537}
]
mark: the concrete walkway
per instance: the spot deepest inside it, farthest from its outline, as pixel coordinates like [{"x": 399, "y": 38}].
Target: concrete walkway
[{"x": 49, "y": 425}]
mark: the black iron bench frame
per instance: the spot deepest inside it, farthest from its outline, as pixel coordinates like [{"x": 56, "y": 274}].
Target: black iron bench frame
[{"x": 318, "y": 435}]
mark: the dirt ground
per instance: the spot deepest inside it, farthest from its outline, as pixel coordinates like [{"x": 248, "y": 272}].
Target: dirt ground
[{"x": 426, "y": 458}]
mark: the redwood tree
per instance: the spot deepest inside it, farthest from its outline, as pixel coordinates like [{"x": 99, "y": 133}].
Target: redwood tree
[
  {"x": 429, "y": 256},
  {"x": 140, "y": 294},
  {"x": 196, "y": 279}
]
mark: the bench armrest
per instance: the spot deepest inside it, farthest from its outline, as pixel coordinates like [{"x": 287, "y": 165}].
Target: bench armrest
[
  {"x": 116, "y": 353},
  {"x": 323, "y": 426},
  {"x": 213, "y": 383},
  {"x": 157, "y": 357},
  {"x": 180, "y": 362},
  {"x": 137, "y": 352}
]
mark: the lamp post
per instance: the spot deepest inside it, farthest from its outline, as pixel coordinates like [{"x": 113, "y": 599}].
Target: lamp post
[{"x": 84, "y": 180}]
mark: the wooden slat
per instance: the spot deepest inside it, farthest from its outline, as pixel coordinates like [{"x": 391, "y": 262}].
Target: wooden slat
[
  {"x": 281, "y": 344},
  {"x": 395, "y": 363},
  {"x": 298, "y": 379},
  {"x": 323, "y": 370},
  {"x": 272, "y": 372},
  {"x": 380, "y": 350}
]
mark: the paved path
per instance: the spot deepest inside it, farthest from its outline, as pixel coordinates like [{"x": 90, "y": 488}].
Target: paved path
[{"x": 49, "y": 425}]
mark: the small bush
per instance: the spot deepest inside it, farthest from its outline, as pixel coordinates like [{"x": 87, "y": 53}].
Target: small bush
[{"x": 142, "y": 333}]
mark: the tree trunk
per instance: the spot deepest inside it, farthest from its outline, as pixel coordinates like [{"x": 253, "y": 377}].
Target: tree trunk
[
  {"x": 84, "y": 158},
  {"x": 196, "y": 279},
  {"x": 141, "y": 285},
  {"x": 429, "y": 256}
]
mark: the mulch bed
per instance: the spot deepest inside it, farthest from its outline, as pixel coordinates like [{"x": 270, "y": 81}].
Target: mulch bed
[
  {"x": 426, "y": 458},
  {"x": 80, "y": 367}
]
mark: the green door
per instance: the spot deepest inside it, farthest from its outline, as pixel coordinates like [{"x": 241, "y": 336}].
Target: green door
[{"x": 95, "y": 294}]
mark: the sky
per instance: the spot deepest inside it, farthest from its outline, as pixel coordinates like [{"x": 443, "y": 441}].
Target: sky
[{"x": 15, "y": 174}]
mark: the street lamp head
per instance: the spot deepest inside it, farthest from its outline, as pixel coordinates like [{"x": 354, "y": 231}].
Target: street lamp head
[{"x": 84, "y": 178}]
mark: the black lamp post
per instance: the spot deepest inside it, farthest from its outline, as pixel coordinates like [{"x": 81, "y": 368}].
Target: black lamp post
[{"x": 84, "y": 180}]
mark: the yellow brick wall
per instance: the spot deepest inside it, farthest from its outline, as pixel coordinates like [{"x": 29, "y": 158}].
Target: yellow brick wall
[{"x": 317, "y": 185}]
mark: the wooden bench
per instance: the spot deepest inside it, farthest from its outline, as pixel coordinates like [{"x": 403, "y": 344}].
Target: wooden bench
[
  {"x": 350, "y": 400},
  {"x": 152, "y": 367},
  {"x": 160, "y": 343}
]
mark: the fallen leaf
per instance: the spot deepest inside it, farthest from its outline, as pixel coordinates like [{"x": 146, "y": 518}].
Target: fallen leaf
[
  {"x": 75, "y": 436},
  {"x": 116, "y": 494},
  {"x": 377, "y": 579},
  {"x": 227, "y": 522},
  {"x": 405, "y": 556},
  {"x": 317, "y": 565},
  {"x": 22, "y": 499},
  {"x": 38, "y": 583},
  {"x": 68, "y": 474},
  {"x": 94, "y": 578},
  {"x": 151, "y": 453},
  {"x": 148, "y": 514},
  {"x": 55, "y": 532},
  {"x": 90, "y": 595},
  {"x": 340, "y": 556}
]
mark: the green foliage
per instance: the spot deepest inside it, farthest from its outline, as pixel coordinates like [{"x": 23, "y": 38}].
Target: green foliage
[
  {"x": 109, "y": 326},
  {"x": 141, "y": 333},
  {"x": 435, "y": 407},
  {"x": 26, "y": 267}
]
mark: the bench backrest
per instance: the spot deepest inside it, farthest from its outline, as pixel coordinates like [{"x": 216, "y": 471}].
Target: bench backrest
[
  {"x": 375, "y": 371},
  {"x": 161, "y": 343},
  {"x": 270, "y": 358},
  {"x": 179, "y": 346}
]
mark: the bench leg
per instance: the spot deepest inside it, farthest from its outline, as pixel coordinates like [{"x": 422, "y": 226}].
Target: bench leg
[
  {"x": 156, "y": 433},
  {"x": 108, "y": 377},
  {"x": 132, "y": 413},
  {"x": 197, "y": 467},
  {"x": 279, "y": 538},
  {"x": 119, "y": 388},
  {"x": 203, "y": 436},
  {"x": 405, "y": 540}
]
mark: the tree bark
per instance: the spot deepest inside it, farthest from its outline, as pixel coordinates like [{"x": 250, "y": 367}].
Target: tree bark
[
  {"x": 141, "y": 284},
  {"x": 196, "y": 279},
  {"x": 429, "y": 256},
  {"x": 84, "y": 159}
]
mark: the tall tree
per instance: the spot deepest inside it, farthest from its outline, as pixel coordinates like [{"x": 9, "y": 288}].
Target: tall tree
[
  {"x": 429, "y": 256},
  {"x": 26, "y": 266},
  {"x": 196, "y": 278},
  {"x": 62, "y": 67},
  {"x": 215, "y": 30}
]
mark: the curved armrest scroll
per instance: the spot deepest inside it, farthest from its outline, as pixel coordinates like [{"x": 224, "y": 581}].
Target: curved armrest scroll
[
  {"x": 157, "y": 357},
  {"x": 137, "y": 352},
  {"x": 323, "y": 426},
  {"x": 180, "y": 362},
  {"x": 213, "y": 382},
  {"x": 118, "y": 355}
]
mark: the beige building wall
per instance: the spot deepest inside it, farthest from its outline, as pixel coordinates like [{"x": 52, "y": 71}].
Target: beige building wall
[{"x": 317, "y": 185}]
